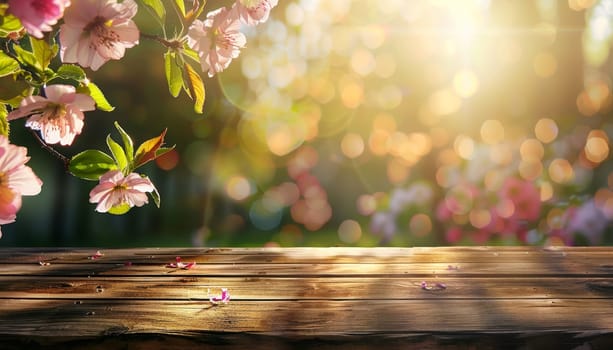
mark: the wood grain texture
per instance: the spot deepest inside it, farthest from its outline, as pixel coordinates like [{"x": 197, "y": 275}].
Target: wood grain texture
[{"x": 308, "y": 297}]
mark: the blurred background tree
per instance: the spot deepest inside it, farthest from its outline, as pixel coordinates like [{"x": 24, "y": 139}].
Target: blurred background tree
[{"x": 364, "y": 123}]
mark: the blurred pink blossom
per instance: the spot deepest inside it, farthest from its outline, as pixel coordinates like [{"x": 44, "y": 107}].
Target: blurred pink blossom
[
  {"x": 443, "y": 211},
  {"x": 217, "y": 39},
  {"x": 252, "y": 12},
  {"x": 525, "y": 197},
  {"x": 453, "y": 235},
  {"x": 37, "y": 16},
  {"x": 95, "y": 31},
  {"x": 16, "y": 180},
  {"x": 59, "y": 116},
  {"x": 115, "y": 190}
]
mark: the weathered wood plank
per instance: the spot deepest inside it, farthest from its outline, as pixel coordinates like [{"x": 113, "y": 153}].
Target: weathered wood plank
[
  {"x": 576, "y": 268},
  {"x": 304, "y": 317},
  {"x": 293, "y": 288},
  {"x": 449, "y": 255}
]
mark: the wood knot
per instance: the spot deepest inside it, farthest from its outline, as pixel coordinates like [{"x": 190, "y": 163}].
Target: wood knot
[{"x": 605, "y": 287}]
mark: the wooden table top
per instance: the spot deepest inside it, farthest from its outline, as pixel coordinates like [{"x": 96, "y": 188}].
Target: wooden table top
[{"x": 443, "y": 297}]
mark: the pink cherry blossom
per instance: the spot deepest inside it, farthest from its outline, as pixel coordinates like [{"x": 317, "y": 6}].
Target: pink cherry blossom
[
  {"x": 95, "y": 31},
  {"x": 252, "y": 12},
  {"x": 115, "y": 190},
  {"x": 217, "y": 39},
  {"x": 16, "y": 180},
  {"x": 59, "y": 116},
  {"x": 37, "y": 16}
]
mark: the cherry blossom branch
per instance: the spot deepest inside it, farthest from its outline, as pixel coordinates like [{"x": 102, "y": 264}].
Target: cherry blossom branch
[
  {"x": 65, "y": 160},
  {"x": 172, "y": 44}
]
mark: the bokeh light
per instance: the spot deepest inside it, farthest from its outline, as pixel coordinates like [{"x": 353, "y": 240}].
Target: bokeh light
[
  {"x": 352, "y": 145},
  {"x": 349, "y": 231},
  {"x": 561, "y": 171},
  {"x": 238, "y": 188},
  {"x": 492, "y": 131},
  {"x": 169, "y": 160},
  {"x": 464, "y": 146},
  {"x": 532, "y": 150},
  {"x": 465, "y": 83},
  {"x": 546, "y": 130},
  {"x": 420, "y": 225},
  {"x": 597, "y": 146}
]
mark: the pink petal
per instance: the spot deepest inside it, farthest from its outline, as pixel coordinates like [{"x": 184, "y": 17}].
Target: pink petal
[
  {"x": 29, "y": 106},
  {"x": 96, "y": 60},
  {"x": 70, "y": 40},
  {"x": 83, "y": 102},
  {"x": 128, "y": 34},
  {"x": 108, "y": 201},
  {"x": 10, "y": 203},
  {"x": 224, "y": 298},
  {"x": 139, "y": 183},
  {"x": 25, "y": 181},
  {"x": 97, "y": 254},
  {"x": 114, "y": 176},
  {"x": 55, "y": 92},
  {"x": 136, "y": 198}
]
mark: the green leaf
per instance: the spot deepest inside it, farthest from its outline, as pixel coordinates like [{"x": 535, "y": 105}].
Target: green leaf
[
  {"x": 147, "y": 150},
  {"x": 156, "y": 197},
  {"x": 43, "y": 52},
  {"x": 195, "y": 86},
  {"x": 127, "y": 142},
  {"x": 120, "y": 209},
  {"x": 94, "y": 91},
  {"x": 9, "y": 24},
  {"x": 10, "y": 88},
  {"x": 71, "y": 71},
  {"x": 191, "y": 54},
  {"x": 181, "y": 6},
  {"x": 118, "y": 153},
  {"x": 27, "y": 58},
  {"x": 158, "y": 7},
  {"x": 174, "y": 75},
  {"x": 4, "y": 124},
  {"x": 91, "y": 164},
  {"x": 8, "y": 65}
]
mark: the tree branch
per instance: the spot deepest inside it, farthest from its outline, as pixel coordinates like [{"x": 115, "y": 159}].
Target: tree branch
[
  {"x": 172, "y": 44},
  {"x": 65, "y": 160}
]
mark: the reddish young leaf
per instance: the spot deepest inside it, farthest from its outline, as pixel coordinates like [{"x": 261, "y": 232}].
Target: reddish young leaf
[{"x": 147, "y": 150}]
